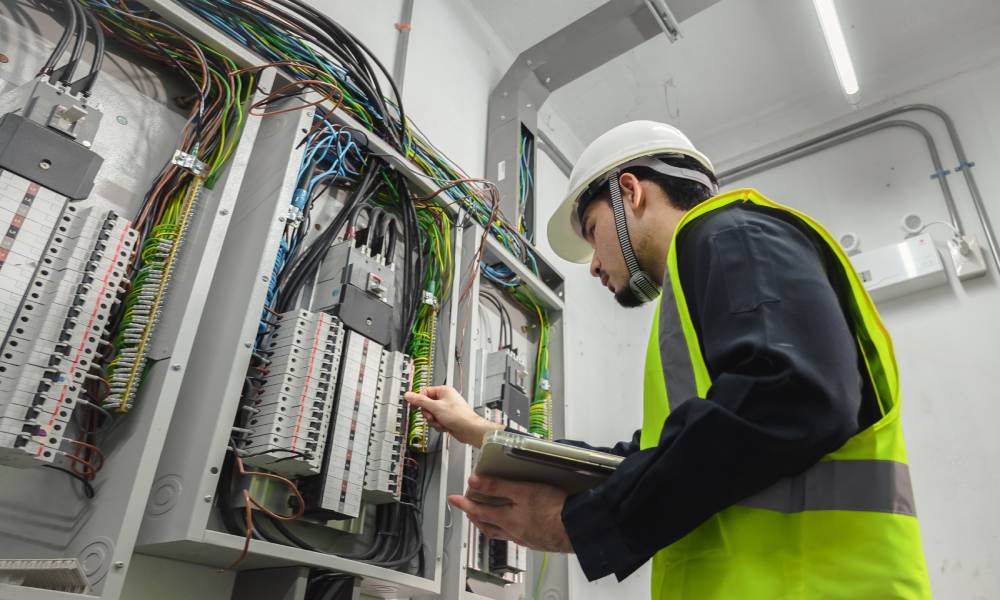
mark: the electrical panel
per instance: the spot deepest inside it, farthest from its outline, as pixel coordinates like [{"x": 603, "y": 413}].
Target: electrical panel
[{"x": 210, "y": 333}]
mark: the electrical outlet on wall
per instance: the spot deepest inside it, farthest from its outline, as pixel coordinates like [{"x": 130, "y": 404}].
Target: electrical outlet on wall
[{"x": 967, "y": 257}]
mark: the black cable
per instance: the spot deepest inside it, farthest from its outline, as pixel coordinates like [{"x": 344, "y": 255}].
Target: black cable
[
  {"x": 66, "y": 73},
  {"x": 85, "y": 84},
  {"x": 263, "y": 534},
  {"x": 328, "y": 586},
  {"x": 88, "y": 490},
  {"x": 295, "y": 540},
  {"x": 391, "y": 233},
  {"x": 60, "y": 48},
  {"x": 504, "y": 317},
  {"x": 413, "y": 265},
  {"x": 373, "y": 237}
]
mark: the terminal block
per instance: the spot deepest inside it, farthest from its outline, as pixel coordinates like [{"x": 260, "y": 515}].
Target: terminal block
[
  {"x": 384, "y": 475},
  {"x": 292, "y": 411},
  {"x": 53, "y": 330}
]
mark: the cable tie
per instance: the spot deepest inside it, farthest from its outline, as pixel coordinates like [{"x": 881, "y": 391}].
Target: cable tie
[{"x": 188, "y": 162}]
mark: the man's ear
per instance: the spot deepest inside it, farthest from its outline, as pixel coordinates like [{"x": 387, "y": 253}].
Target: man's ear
[{"x": 633, "y": 195}]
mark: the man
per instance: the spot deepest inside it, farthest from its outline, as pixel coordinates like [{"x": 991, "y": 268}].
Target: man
[{"x": 770, "y": 463}]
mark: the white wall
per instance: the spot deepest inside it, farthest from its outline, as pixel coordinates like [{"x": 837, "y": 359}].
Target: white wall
[{"x": 605, "y": 348}]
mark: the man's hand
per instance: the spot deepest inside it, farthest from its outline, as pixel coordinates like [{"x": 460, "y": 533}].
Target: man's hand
[
  {"x": 448, "y": 412},
  {"x": 532, "y": 519}
]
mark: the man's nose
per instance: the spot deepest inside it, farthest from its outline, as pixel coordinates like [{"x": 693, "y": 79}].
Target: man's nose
[{"x": 595, "y": 266}]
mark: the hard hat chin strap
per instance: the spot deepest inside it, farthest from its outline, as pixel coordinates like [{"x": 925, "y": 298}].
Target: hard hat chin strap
[{"x": 641, "y": 284}]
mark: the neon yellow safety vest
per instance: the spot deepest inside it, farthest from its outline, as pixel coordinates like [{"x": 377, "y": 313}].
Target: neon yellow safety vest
[{"x": 845, "y": 528}]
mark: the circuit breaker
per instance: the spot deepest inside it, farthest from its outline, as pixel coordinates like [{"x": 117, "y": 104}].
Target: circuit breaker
[
  {"x": 505, "y": 386},
  {"x": 358, "y": 288}
]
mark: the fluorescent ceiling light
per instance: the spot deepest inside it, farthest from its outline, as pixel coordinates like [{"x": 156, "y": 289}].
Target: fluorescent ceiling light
[{"x": 835, "y": 42}]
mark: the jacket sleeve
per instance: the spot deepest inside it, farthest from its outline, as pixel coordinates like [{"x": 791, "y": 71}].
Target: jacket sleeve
[
  {"x": 621, "y": 448},
  {"x": 785, "y": 391}
]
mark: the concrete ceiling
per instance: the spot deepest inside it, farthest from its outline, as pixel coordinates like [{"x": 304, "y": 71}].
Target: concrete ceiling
[{"x": 741, "y": 60}]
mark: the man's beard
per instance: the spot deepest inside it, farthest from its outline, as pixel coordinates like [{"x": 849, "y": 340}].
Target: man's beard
[{"x": 627, "y": 298}]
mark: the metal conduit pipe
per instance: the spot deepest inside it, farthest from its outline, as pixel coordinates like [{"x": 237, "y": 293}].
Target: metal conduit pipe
[
  {"x": 963, "y": 163},
  {"x": 806, "y": 150}
]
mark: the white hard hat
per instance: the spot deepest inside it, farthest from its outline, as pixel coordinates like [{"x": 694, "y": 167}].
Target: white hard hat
[{"x": 614, "y": 148}]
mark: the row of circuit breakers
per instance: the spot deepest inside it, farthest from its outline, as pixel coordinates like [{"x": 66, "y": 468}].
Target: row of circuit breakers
[
  {"x": 61, "y": 275},
  {"x": 331, "y": 404}
]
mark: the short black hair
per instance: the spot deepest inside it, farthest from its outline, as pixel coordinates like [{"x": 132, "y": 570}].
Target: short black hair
[{"x": 684, "y": 194}]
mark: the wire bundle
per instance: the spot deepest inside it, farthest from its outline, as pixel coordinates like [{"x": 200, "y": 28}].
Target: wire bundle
[
  {"x": 291, "y": 32},
  {"x": 541, "y": 400},
  {"x": 331, "y": 154},
  {"x": 525, "y": 181},
  {"x": 437, "y": 283},
  {"x": 216, "y": 113}
]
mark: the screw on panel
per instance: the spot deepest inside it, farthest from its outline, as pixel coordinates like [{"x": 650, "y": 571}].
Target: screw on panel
[
  {"x": 119, "y": 564},
  {"x": 224, "y": 211},
  {"x": 45, "y": 165},
  {"x": 175, "y": 367},
  {"x": 263, "y": 278},
  {"x": 207, "y": 497},
  {"x": 248, "y": 344},
  {"x": 86, "y": 144},
  {"x": 121, "y": 120},
  {"x": 548, "y": 80}
]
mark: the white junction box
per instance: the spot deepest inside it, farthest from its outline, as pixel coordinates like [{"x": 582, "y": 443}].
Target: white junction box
[{"x": 900, "y": 269}]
